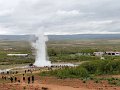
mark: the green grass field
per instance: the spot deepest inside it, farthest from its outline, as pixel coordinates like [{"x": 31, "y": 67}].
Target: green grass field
[{"x": 58, "y": 51}]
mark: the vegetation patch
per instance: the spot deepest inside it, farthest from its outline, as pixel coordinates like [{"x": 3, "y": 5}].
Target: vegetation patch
[{"x": 88, "y": 69}]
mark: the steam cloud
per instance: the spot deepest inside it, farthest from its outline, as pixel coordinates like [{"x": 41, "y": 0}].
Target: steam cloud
[{"x": 41, "y": 55}]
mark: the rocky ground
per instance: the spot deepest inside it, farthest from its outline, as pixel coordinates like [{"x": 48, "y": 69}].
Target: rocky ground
[{"x": 53, "y": 83}]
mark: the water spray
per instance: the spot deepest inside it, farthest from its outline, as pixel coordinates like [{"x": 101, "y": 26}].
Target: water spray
[{"x": 41, "y": 59}]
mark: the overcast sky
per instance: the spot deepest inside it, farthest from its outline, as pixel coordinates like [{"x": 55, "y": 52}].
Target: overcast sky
[{"x": 59, "y": 16}]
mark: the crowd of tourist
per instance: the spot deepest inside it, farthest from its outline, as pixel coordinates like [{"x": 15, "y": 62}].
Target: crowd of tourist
[{"x": 13, "y": 77}]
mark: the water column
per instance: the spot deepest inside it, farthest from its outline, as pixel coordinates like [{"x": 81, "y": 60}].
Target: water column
[{"x": 41, "y": 60}]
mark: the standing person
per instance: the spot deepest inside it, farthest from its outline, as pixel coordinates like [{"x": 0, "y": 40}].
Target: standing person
[
  {"x": 33, "y": 79},
  {"x": 25, "y": 71},
  {"x": 28, "y": 80},
  {"x": 16, "y": 72},
  {"x": 15, "y": 79},
  {"x": 7, "y": 72},
  {"x": 5, "y": 77},
  {"x": 18, "y": 81},
  {"x": 11, "y": 79},
  {"x": 23, "y": 78},
  {"x": 2, "y": 77}
]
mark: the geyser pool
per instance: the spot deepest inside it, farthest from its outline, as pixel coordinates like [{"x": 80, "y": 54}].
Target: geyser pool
[{"x": 41, "y": 56}]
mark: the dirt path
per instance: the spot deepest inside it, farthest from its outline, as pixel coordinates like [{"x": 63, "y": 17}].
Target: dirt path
[
  {"x": 53, "y": 83},
  {"x": 37, "y": 86},
  {"x": 57, "y": 87}
]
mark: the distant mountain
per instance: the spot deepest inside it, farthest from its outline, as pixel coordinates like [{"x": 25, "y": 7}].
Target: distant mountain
[
  {"x": 60, "y": 37},
  {"x": 84, "y": 36},
  {"x": 15, "y": 37}
]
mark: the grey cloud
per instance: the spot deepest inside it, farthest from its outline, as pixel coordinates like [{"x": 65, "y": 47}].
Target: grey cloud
[{"x": 59, "y": 16}]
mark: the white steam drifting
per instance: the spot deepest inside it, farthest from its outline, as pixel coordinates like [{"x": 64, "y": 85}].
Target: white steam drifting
[{"x": 41, "y": 56}]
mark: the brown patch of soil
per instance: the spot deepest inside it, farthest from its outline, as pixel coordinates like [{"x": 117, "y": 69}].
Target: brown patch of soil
[{"x": 53, "y": 83}]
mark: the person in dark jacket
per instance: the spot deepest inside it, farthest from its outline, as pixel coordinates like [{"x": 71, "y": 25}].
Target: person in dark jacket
[
  {"x": 11, "y": 79},
  {"x": 18, "y": 81},
  {"x": 15, "y": 79},
  {"x": 25, "y": 71},
  {"x": 23, "y": 78},
  {"x": 28, "y": 80},
  {"x": 33, "y": 78}
]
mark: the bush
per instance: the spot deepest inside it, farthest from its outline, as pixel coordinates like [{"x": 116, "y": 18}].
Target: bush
[
  {"x": 68, "y": 73},
  {"x": 88, "y": 69},
  {"x": 102, "y": 67}
]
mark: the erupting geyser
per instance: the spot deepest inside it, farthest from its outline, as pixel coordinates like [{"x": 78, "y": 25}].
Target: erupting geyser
[{"x": 41, "y": 56}]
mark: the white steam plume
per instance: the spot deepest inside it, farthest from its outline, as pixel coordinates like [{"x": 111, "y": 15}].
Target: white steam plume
[{"x": 41, "y": 56}]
